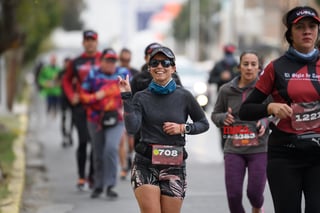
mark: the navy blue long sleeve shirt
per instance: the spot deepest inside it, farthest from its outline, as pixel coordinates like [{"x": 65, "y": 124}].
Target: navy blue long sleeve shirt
[{"x": 147, "y": 112}]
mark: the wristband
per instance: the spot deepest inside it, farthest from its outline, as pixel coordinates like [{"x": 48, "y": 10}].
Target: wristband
[
  {"x": 182, "y": 130},
  {"x": 126, "y": 95}
]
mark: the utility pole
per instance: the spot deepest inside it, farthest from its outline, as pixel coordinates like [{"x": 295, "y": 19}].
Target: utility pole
[
  {"x": 194, "y": 29},
  {"x": 124, "y": 20},
  {"x": 227, "y": 30}
]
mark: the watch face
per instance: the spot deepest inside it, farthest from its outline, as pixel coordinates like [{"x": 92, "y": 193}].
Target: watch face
[{"x": 188, "y": 128}]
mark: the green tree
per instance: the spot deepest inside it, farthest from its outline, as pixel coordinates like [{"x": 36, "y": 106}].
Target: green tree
[
  {"x": 182, "y": 28},
  {"x": 25, "y": 25},
  {"x": 70, "y": 17},
  {"x": 37, "y": 21},
  {"x": 10, "y": 35}
]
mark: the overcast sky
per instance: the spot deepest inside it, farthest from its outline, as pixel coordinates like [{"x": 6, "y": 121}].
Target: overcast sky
[
  {"x": 115, "y": 21},
  {"x": 112, "y": 18},
  {"x": 102, "y": 16}
]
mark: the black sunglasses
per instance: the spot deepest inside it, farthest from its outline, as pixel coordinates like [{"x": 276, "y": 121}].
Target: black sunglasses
[
  {"x": 164, "y": 63},
  {"x": 125, "y": 59}
]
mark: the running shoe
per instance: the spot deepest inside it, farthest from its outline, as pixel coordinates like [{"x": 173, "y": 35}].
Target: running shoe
[
  {"x": 96, "y": 193},
  {"x": 123, "y": 174},
  {"x": 66, "y": 142},
  {"x": 90, "y": 183},
  {"x": 110, "y": 193},
  {"x": 81, "y": 184}
]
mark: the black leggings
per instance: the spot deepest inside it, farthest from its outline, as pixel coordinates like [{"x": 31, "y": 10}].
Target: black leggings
[
  {"x": 80, "y": 121},
  {"x": 66, "y": 121},
  {"x": 292, "y": 173}
]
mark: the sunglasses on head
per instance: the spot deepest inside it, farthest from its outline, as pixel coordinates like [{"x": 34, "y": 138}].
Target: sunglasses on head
[{"x": 164, "y": 63}]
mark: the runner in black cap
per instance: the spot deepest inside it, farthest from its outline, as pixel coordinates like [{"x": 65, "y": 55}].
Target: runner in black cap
[
  {"x": 75, "y": 74},
  {"x": 159, "y": 113},
  {"x": 142, "y": 80},
  {"x": 293, "y": 80}
]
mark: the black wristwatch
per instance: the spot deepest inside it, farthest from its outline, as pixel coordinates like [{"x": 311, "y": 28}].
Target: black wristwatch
[{"x": 187, "y": 128}]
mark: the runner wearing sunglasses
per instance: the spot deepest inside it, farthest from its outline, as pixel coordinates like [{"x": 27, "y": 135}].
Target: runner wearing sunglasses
[{"x": 160, "y": 113}]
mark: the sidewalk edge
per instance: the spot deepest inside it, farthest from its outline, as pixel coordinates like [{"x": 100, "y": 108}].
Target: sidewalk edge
[{"x": 17, "y": 180}]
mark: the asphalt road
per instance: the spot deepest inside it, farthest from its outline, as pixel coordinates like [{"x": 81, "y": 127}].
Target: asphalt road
[{"x": 51, "y": 174}]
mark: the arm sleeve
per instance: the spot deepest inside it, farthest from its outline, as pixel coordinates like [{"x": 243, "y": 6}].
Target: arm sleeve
[
  {"x": 41, "y": 78},
  {"x": 67, "y": 83},
  {"x": 199, "y": 126},
  {"x": 86, "y": 95},
  {"x": 253, "y": 108},
  {"x": 132, "y": 114},
  {"x": 200, "y": 122},
  {"x": 220, "y": 108}
]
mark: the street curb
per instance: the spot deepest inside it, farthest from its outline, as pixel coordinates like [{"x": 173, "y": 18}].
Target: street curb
[{"x": 17, "y": 176}]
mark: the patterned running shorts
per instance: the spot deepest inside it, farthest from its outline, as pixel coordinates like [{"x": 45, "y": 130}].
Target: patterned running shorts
[{"x": 170, "y": 179}]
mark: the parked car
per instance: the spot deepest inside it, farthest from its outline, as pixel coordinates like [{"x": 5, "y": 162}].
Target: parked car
[{"x": 193, "y": 79}]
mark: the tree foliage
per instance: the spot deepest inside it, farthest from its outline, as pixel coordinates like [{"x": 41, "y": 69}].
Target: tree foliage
[
  {"x": 207, "y": 33},
  {"x": 181, "y": 25},
  {"x": 27, "y": 23},
  {"x": 36, "y": 21},
  {"x": 24, "y": 26},
  {"x": 10, "y": 35},
  {"x": 70, "y": 16}
]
